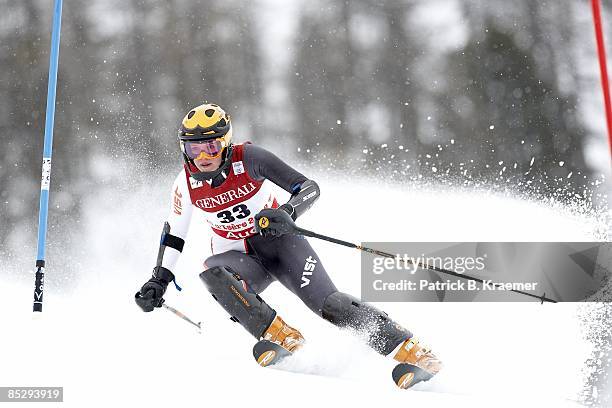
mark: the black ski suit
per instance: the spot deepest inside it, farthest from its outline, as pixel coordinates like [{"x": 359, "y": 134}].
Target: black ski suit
[{"x": 288, "y": 259}]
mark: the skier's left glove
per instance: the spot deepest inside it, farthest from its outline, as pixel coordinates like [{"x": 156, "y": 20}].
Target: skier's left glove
[
  {"x": 274, "y": 222},
  {"x": 151, "y": 294}
]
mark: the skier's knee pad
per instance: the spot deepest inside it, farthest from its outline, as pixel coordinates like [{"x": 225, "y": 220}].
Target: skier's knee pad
[
  {"x": 233, "y": 294},
  {"x": 344, "y": 310}
]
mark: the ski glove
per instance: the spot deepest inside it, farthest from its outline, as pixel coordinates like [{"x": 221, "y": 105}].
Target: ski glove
[
  {"x": 274, "y": 222},
  {"x": 151, "y": 294}
]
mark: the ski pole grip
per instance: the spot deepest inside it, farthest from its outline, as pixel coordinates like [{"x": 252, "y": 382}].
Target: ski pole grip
[{"x": 263, "y": 222}]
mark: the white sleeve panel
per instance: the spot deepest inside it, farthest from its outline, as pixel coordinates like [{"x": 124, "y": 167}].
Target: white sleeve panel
[{"x": 179, "y": 219}]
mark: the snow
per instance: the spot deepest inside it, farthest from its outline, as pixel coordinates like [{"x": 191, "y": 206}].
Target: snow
[{"x": 95, "y": 342}]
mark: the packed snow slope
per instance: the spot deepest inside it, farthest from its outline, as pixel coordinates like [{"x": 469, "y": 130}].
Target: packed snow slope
[{"x": 95, "y": 342}]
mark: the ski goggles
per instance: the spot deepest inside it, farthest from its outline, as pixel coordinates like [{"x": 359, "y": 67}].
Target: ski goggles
[{"x": 203, "y": 149}]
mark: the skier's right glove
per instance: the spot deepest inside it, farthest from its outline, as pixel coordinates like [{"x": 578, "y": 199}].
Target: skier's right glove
[{"x": 151, "y": 294}]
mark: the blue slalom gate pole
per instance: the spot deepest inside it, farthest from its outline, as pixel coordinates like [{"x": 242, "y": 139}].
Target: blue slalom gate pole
[{"x": 46, "y": 161}]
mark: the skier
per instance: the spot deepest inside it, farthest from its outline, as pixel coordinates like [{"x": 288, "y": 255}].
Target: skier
[{"x": 252, "y": 246}]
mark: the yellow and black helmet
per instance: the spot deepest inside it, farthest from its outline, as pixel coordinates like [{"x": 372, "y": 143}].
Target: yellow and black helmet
[{"x": 206, "y": 131}]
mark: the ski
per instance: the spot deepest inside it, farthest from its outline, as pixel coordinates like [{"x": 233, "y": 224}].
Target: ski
[
  {"x": 406, "y": 375},
  {"x": 267, "y": 353}
]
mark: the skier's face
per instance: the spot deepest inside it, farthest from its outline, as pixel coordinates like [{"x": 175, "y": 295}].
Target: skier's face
[{"x": 208, "y": 165}]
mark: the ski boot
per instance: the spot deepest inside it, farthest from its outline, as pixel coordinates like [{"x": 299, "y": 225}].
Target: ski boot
[
  {"x": 417, "y": 363},
  {"x": 279, "y": 341}
]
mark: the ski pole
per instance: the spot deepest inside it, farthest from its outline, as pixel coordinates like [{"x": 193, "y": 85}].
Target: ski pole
[
  {"x": 421, "y": 265},
  {"x": 183, "y": 316}
]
